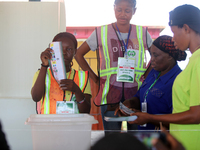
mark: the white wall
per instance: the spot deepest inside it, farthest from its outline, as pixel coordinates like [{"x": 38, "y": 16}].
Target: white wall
[{"x": 26, "y": 29}]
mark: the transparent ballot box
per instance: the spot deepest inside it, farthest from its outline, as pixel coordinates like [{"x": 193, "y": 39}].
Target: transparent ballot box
[{"x": 61, "y": 131}]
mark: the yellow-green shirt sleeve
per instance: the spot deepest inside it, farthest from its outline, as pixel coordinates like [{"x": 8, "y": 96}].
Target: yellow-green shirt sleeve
[
  {"x": 87, "y": 88},
  {"x": 35, "y": 77}
]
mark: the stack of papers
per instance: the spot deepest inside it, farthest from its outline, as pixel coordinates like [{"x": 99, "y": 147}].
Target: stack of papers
[{"x": 119, "y": 119}]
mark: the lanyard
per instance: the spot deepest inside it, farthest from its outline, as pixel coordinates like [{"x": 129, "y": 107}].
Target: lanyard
[
  {"x": 69, "y": 74},
  {"x": 125, "y": 45},
  {"x": 151, "y": 87},
  {"x": 64, "y": 96}
]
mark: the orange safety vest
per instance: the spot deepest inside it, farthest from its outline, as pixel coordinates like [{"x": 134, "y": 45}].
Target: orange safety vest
[
  {"x": 53, "y": 93},
  {"x": 110, "y": 48}
]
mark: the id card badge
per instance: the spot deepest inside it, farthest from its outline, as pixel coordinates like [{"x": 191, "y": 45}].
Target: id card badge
[
  {"x": 133, "y": 54},
  {"x": 65, "y": 107},
  {"x": 144, "y": 109},
  {"x": 125, "y": 70}
]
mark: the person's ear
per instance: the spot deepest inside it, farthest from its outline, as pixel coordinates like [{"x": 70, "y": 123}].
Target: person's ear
[
  {"x": 171, "y": 59},
  {"x": 186, "y": 28}
]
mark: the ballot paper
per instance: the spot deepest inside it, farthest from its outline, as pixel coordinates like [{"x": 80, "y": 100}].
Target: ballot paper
[
  {"x": 125, "y": 109},
  {"x": 119, "y": 119},
  {"x": 57, "y": 64}
]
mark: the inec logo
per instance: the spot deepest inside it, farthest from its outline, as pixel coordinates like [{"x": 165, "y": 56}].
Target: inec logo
[{"x": 131, "y": 53}]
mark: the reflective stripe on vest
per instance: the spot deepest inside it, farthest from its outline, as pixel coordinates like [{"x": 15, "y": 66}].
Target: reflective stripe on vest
[
  {"x": 80, "y": 78},
  {"x": 47, "y": 89},
  {"x": 104, "y": 31},
  {"x": 139, "y": 70},
  {"x": 109, "y": 71}
]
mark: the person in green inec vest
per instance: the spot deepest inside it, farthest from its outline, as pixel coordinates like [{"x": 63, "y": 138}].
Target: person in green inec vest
[
  {"x": 185, "y": 118},
  {"x": 57, "y": 97},
  {"x": 121, "y": 51}
]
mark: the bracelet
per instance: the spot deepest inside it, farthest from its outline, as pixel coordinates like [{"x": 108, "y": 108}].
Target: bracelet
[
  {"x": 44, "y": 66},
  {"x": 81, "y": 101}
]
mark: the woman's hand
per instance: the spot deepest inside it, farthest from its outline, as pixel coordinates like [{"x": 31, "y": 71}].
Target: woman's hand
[
  {"x": 69, "y": 85},
  {"x": 172, "y": 143},
  {"x": 120, "y": 112},
  {"x": 142, "y": 118},
  {"x": 45, "y": 56},
  {"x": 38, "y": 88},
  {"x": 133, "y": 104}
]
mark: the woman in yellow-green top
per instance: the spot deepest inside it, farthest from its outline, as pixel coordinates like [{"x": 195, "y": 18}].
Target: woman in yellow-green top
[{"x": 185, "y": 118}]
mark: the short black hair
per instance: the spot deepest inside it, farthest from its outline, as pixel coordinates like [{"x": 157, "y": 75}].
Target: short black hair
[
  {"x": 119, "y": 141},
  {"x": 185, "y": 14},
  {"x": 133, "y": 2},
  {"x": 67, "y": 35}
]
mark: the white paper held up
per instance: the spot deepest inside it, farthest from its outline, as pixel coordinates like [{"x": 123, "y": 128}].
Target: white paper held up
[{"x": 57, "y": 64}]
